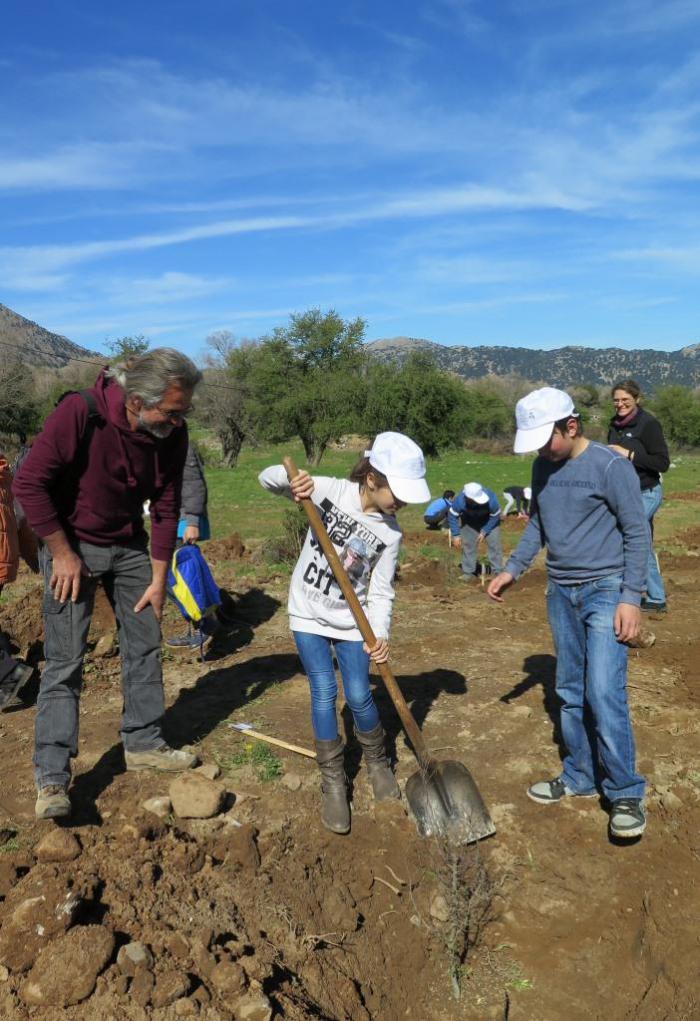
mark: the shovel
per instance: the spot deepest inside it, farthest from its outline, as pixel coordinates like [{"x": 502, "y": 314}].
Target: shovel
[{"x": 442, "y": 795}]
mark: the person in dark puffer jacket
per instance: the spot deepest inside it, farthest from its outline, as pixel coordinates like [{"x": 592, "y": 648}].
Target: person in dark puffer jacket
[{"x": 638, "y": 436}]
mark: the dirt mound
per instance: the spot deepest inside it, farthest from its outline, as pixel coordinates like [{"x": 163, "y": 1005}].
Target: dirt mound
[
  {"x": 230, "y": 548},
  {"x": 22, "y": 622},
  {"x": 426, "y": 573},
  {"x": 690, "y": 538},
  {"x": 204, "y": 924}
]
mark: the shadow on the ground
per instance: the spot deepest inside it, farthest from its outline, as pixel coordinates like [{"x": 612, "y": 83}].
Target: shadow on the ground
[
  {"x": 196, "y": 712},
  {"x": 420, "y": 691},
  {"x": 540, "y": 671},
  {"x": 239, "y": 616}
]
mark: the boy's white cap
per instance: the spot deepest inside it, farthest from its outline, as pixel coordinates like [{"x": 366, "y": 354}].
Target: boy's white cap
[
  {"x": 402, "y": 461},
  {"x": 473, "y": 491},
  {"x": 535, "y": 415},
  {"x": 527, "y": 493}
]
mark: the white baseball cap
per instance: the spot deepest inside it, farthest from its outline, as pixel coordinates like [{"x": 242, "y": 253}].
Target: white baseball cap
[
  {"x": 402, "y": 461},
  {"x": 527, "y": 493},
  {"x": 535, "y": 415},
  {"x": 473, "y": 491}
]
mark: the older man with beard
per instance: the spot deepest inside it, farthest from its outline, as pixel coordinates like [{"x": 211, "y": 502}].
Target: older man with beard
[{"x": 101, "y": 454}]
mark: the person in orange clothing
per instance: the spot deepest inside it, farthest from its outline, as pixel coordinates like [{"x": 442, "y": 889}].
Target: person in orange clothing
[{"x": 13, "y": 673}]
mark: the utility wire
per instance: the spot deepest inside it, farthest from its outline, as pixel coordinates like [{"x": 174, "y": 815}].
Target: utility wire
[{"x": 101, "y": 365}]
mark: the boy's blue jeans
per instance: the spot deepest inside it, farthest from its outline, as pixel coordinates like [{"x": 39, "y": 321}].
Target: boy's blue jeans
[
  {"x": 317, "y": 659},
  {"x": 591, "y": 681},
  {"x": 651, "y": 498}
]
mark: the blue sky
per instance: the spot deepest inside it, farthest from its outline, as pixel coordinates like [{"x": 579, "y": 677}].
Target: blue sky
[{"x": 520, "y": 172}]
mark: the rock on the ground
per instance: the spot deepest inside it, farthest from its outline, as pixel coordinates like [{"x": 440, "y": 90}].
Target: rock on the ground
[
  {"x": 292, "y": 781},
  {"x": 194, "y": 796},
  {"x": 644, "y": 640},
  {"x": 254, "y": 1006},
  {"x": 34, "y": 921},
  {"x": 133, "y": 956},
  {"x": 210, "y": 770},
  {"x": 170, "y": 986},
  {"x": 58, "y": 846},
  {"x": 66, "y": 971},
  {"x": 229, "y": 980},
  {"x": 237, "y": 848},
  {"x": 670, "y": 801},
  {"x": 186, "y": 1007},
  {"x": 439, "y": 909},
  {"x": 106, "y": 645},
  {"x": 160, "y": 806},
  {"x": 141, "y": 988}
]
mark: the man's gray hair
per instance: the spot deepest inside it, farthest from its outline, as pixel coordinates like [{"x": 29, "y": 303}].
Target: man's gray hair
[{"x": 150, "y": 375}]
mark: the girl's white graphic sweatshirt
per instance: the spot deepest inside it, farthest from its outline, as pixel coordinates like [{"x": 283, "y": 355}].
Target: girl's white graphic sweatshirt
[{"x": 367, "y": 544}]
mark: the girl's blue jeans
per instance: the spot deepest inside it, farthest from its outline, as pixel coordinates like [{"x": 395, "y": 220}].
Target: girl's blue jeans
[
  {"x": 591, "y": 681},
  {"x": 316, "y": 654}
]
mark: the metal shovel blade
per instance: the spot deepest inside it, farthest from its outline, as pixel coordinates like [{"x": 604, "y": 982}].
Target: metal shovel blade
[{"x": 446, "y": 802}]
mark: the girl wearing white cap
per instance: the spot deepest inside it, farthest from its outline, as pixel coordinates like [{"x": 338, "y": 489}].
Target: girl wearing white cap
[{"x": 359, "y": 515}]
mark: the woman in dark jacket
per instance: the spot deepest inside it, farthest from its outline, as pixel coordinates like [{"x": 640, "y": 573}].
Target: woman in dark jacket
[{"x": 637, "y": 435}]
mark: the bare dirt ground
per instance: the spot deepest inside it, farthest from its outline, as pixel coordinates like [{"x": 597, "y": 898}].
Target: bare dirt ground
[{"x": 259, "y": 912}]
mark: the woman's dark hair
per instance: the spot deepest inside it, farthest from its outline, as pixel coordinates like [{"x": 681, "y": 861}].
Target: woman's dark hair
[
  {"x": 362, "y": 469},
  {"x": 448, "y": 494},
  {"x": 630, "y": 386}
]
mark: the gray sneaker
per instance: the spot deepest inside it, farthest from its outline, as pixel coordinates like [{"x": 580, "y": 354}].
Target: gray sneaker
[
  {"x": 548, "y": 792},
  {"x": 174, "y": 760},
  {"x": 52, "y": 802},
  {"x": 627, "y": 818}
]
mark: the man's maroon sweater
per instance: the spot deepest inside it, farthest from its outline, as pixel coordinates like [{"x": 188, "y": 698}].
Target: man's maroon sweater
[{"x": 92, "y": 477}]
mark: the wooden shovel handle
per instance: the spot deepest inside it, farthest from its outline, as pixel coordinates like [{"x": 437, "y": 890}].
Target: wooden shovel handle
[{"x": 409, "y": 724}]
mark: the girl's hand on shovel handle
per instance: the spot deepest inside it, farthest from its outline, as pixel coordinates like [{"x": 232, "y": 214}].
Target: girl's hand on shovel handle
[
  {"x": 302, "y": 486},
  {"x": 380, "y": 652}
]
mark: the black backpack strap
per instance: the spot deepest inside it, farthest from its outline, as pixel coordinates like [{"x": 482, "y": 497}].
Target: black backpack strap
[{"x": 89, "y": 398}]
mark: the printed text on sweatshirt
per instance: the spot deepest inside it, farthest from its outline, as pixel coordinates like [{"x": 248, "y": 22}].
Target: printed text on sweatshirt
[{"x": 367, "y": 544}]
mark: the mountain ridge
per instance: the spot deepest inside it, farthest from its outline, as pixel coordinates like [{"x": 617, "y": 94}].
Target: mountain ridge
[
  {"x": 26, "y": 341},
  {"x": 563, "y": 367}
]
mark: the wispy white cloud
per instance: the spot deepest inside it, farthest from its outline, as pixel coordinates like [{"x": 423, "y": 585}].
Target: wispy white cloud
[
  {"x": 26, "y": 262},
  {"x": 91, "y": 165},
  {"x": 462, "y": 14},
  {"x": 167, "y": 287},
  {"x": 681, "y": 258}
]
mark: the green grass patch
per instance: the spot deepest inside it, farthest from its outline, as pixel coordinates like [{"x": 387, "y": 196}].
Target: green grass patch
[
  {"x": 266, "y": 765},
  {"x": 238, "y": 503}
]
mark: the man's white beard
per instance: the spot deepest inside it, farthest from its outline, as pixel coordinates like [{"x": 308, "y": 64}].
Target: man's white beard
[{"x": 161, "y": 432}]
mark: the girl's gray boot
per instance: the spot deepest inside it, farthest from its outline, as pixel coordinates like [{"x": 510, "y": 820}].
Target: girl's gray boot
[
  {"x": 335, "y": 811},
  {"x": 381, "y": 777}
]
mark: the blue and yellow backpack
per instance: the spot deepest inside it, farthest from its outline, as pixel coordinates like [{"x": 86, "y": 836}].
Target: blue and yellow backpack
[{"x": 192, "y": 588}]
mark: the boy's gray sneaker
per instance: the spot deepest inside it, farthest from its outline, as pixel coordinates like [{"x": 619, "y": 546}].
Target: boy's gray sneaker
[
  {"x": 174, "y": 760},
  {"x": 10, "y": 685},
  {"x": 52, "y": 802},
  {"x": 627, "y": 818},
  {"x": 548, "y": 792}
]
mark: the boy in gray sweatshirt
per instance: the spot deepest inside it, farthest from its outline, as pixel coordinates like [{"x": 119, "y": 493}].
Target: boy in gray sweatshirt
[{"x": 587, "y": 511}]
